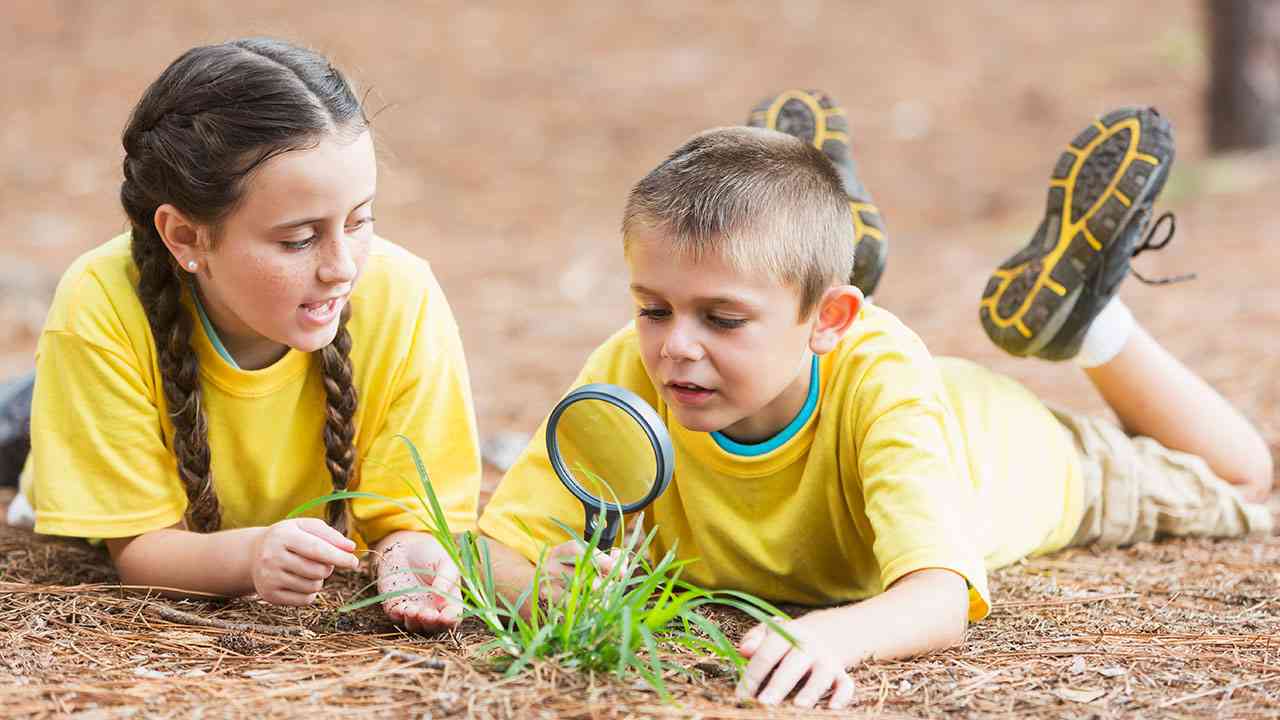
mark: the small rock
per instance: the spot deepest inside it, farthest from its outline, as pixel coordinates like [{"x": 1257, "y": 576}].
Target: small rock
[
  {"x": 1077, "y": 665},
  {"x": 1112, "y": 672},
  {"x": 149, "y": 673}
]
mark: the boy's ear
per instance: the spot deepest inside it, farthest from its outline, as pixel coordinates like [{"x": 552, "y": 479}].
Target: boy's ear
[
  {"x": 183, "y": 237},
  {"x": 836, "y": 312}
]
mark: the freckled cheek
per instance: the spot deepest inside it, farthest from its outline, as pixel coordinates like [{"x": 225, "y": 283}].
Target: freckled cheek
[{"x": 283, "y": 287}]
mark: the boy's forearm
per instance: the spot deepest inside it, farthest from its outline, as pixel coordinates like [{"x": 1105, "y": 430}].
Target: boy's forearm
[
  {"x": 218, "y": 563},
  {"x": 924, "y": 611}
]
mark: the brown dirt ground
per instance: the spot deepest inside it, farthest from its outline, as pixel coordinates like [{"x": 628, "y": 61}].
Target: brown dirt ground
[{"x": 511, "y": 135}]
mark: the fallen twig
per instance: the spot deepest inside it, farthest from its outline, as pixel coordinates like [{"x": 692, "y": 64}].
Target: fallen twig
[
  {"x": 185, "y": 618},
  {"x": 426, "y": 662},
  {"x": 1065, "y": 601}
]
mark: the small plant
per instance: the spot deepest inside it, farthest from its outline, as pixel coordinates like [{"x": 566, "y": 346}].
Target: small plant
[{"x": 615, "y": 622}]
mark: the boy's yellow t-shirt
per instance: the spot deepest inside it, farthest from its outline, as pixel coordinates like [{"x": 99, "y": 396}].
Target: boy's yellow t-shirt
[
  {"x": 101, "y": 462},
  {"x": 905, "y": 464}
]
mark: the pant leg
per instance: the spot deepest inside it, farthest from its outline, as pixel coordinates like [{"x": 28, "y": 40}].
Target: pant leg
[{"x": 1136, "y": 489}]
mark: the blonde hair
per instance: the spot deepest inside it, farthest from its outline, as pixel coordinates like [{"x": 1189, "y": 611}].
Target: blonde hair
[{"x": 762, "y": 200}]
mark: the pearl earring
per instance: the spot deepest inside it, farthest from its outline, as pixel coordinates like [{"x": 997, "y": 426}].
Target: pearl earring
[{"x": 192, "y": 265}]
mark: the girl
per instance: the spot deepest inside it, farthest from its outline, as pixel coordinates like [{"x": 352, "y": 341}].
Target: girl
[{"x": 250, "y": 344}]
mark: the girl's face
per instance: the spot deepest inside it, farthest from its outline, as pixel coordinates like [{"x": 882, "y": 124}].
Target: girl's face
[{"x": 284, "y": 263}]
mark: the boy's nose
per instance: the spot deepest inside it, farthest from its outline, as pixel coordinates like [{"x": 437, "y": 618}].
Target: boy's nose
[{"x": 681, "y": 345}]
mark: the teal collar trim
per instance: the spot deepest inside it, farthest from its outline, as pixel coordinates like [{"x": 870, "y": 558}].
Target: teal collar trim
[
  {"x": 208, "y": 329},
  {"x": 788, "y": 432}
]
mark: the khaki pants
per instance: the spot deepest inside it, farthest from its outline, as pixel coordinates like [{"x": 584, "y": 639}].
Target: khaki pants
[{"x": 1136, "y": 489}]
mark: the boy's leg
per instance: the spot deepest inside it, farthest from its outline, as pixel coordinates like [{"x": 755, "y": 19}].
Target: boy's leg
[
  {"x": 813, "y": 116},
  {"x": 1055, "y": 299},
  {"x": 1156, "y": 396},
  {"x": 1136, "y": 489}
]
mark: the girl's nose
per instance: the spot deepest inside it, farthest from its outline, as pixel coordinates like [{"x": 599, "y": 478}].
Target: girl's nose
[{"x": 339, "y": 264}]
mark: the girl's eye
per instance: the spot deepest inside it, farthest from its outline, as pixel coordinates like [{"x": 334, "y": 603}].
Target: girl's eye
[
  {"x": 726, "y": 323},
  {"x": 654, "y": 314},
  {"x": 299, "y": 244}
]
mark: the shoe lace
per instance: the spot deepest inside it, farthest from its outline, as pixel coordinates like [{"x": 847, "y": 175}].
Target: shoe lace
[{"x": 1166, "y": 219}]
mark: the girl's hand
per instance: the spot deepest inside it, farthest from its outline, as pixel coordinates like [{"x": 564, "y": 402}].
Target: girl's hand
[
  {"x": 815, "y": 656},
  {"x": 411, "y": 559},
  {"x": 293, "y": 558}
]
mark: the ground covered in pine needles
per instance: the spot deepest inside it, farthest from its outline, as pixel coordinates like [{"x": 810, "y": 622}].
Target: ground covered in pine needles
[
  {"x": 509, "y": 138},
  {"x": 1178, "y": 628}
]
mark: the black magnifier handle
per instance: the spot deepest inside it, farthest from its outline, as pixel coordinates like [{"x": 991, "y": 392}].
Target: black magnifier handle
[{"x": 612, "y": 519}]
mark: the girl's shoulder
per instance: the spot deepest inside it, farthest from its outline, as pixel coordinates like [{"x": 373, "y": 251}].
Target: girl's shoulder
[
  {"x": 393, "y": 274},
  {"x": 396, "y": 295},
  {"x": 97, "y": 296}
]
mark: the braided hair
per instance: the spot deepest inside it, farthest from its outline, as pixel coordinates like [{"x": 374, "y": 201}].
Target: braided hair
[{"x": 213, "y": 116}]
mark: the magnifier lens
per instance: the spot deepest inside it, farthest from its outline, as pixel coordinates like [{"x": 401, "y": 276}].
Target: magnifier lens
[
  {"x": 607, "y": 452},
  {"x": 612, "y": 451}
]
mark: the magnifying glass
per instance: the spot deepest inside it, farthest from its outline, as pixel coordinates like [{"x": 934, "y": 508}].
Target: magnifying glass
[{"x": 612, "y": 451}]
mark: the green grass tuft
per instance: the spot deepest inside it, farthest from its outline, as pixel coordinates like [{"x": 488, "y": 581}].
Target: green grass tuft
[{"x": 614, "y": 623}]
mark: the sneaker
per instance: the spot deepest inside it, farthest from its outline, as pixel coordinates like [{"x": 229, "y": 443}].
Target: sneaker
[
  {"x": 1041, "y": 301},
  {"x": 15, "y": 427},
  {"x": 814, "y": 117}
]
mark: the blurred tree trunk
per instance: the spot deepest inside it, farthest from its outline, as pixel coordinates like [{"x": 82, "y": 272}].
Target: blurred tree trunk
[{"x": 1244, "y": 82}]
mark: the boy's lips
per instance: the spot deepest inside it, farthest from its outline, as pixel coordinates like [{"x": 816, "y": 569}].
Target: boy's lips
[{"x": 689, "y": 393}]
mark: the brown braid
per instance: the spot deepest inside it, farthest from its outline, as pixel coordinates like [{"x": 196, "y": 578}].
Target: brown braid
[
  {"x": 339, "y": 416},
  {"x": 160, "y": 290},
  {"x": 198, "y": 132}
]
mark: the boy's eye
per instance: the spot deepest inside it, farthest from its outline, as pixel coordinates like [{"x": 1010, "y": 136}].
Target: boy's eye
[
  {"x": 360, "y": 224},
  {"x": 726, "y": 323},
  {"x": 299, "y": 244},
  {"x": 654, "y": 313}
]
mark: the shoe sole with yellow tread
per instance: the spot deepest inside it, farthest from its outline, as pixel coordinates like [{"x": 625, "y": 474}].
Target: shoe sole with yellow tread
[
  {"x": 1041, "y": 300},
  {"x": 815, "y": 118}
]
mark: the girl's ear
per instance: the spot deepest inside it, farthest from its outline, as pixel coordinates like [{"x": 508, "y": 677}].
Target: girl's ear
[
  {"x": 837, "y": 310},
  {"x": 181, "y": 236}
]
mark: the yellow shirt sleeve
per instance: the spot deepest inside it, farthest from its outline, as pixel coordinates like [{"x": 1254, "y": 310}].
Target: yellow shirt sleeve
[
  {"x": 914, "y": 477},
  {"x": 530, "y": 499},
  {"x": 432, "y": 408},
  {"x": 107, "y": 474}
]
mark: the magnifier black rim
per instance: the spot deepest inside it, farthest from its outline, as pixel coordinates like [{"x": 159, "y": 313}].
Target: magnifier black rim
[{"x": 645, "y": 417}]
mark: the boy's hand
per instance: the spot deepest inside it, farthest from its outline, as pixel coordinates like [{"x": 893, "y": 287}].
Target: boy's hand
[
  {"x": 294, "y": 557},
  {"x": 563, "y": 558},
  {"x": 567, "y": 554},
  {"x": 411, "y": 559},
  {"x": 816, "y": 655}
]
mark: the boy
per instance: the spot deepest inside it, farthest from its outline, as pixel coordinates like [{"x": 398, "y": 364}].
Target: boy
[{"x": 823, "y": 457}]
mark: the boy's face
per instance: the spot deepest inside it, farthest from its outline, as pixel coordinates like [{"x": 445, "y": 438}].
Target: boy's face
[{"x": 725, "y": 349}]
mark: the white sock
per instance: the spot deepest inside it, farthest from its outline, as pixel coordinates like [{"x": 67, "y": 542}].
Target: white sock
[
  {"x": 21, "y": 514},
  {"x": 1107, "y": 335}
]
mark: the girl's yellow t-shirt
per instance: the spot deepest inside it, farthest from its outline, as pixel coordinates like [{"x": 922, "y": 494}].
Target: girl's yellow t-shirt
[
  {"x": 101, "y": 464},
  {"x": 905, "y": 464}
]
